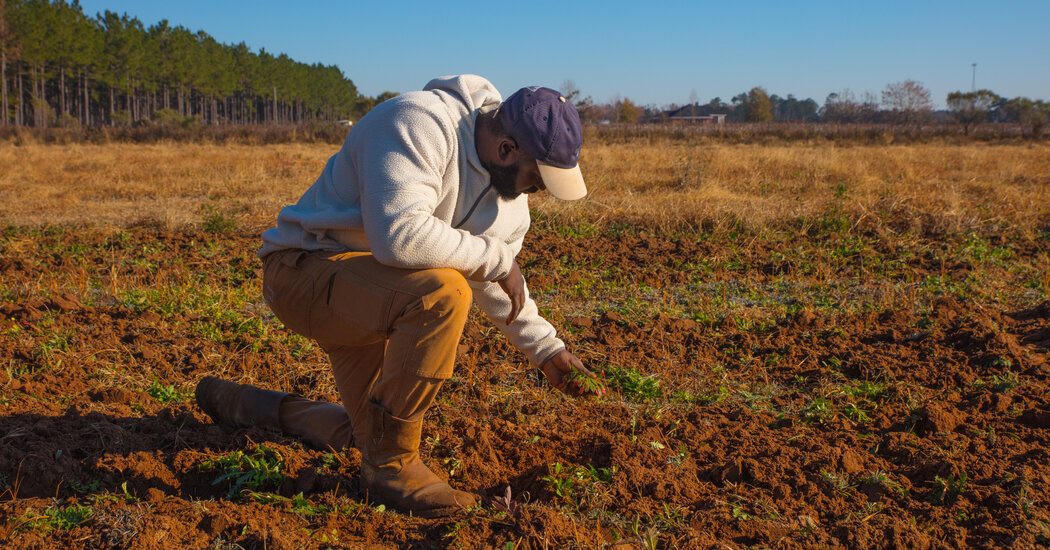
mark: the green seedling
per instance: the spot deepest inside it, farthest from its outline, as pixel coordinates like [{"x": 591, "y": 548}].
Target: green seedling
[
  {"x": 329, "y": 461},
  {"x": 79, "y": 488},
  {"x": 564, "y": 479},
  {"x": 819, "y": 410},
  {"x": 840, "y": 483},
  {"x": 300, "y": 504},
  {"x": 164, "y": 394},
  {"x": 856, "y": 414},
  {"x": 217, "y": 222},
  {"x": 581, "y": 384},
  {"x": 56, "y": 518},
  {"x": 879, "y": 477},
  {"x": 635, "y": 385},
  {"x": 869, "y": 510},
  {"x": 248, "y": 471},
  {"x": 949, "y": 489},
  {"x": 650, "y": 539},
  {"x": 561, "y": 481},
  {"x": 454, "y": 467},
  {"x": 1005, "y": 382},
  {"x": 739, "y": 514},
  {"x": 868, "y": 390}
]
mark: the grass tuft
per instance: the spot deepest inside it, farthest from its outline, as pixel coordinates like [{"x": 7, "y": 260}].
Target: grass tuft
[{"x": 260, "y": 468}]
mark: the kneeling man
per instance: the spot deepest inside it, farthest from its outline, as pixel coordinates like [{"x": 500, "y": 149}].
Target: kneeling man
[{"x": 421, "y": 212}]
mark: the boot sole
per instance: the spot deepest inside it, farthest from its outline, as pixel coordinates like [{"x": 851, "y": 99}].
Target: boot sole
[{"x": 375, "y": 499}]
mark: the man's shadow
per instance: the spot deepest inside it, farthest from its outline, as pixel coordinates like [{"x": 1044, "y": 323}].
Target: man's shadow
[{"x": 78, "y": 454}]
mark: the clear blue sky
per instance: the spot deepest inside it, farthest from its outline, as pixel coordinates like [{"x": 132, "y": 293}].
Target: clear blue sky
[{"x": 651, "y": 52}]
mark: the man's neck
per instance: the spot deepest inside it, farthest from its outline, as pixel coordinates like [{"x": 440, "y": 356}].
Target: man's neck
[{"x": 483, "y": 135}]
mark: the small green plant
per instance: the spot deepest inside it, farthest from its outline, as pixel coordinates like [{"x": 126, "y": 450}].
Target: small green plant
[
  {"x": 871, "y": 391},
  {"x": 165, "y": 394},
  {"x": 581, "y": 384},
  {"x": 650, "y": 538},
  {"x": 80, "y": 488},
  {"x": 856, "y": 414},
  {"x": 739, "y": 514},
  {"x": 564, "y": 479},
  {"x": 819, "y": 410},
  {"x": 869, "y": 510},
  {"x": 879, "y": 477},
  {"x": 633, "y": 384},
  {"x": 561, "y": 481},
  {"x": 1005, "y": 382},
  {"x": 454, "y": 466},
  {"x": 1024, "y": 500},
  {"x": 247, "y": 471},
  {"x": 56, "y": 518},
  {"x": 832, "y": 362},
  {"x": 678, "y": 458},
  {"x": 128, "y": 497},
  {"x": 54, "y": 344},
  {"x": 672, "y": 516},
  {"x": 217, "y": 222},
  {"x": 840, "y": 483},
  {"x": 329, "y": 461},
  {"x": 299, "y": 504},
  {"x": 947, "y": 490},
  {"x": 1043, "y": 536}
]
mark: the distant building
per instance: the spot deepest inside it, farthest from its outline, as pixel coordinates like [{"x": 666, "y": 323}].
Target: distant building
[{"x": 694, "y": 114}]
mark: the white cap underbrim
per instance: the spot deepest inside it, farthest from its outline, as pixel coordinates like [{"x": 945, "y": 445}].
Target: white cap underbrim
[{"x": 564, "y": 183}]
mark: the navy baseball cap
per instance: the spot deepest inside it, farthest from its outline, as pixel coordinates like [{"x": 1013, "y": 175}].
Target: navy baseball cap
[{"x": 547, "y": 127}]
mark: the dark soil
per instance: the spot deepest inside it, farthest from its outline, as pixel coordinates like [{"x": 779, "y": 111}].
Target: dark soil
[{"x": 925, "y": 427}]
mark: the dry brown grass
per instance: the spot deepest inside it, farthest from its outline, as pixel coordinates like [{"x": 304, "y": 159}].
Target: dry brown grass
[
  {"x": 935, "y": 187},
  {"x": 167, "y": 185},
  {"x": 657, "y": 184}
]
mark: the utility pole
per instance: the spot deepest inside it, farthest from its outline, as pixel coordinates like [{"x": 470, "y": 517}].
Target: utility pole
[{"x": 973, "y": 84}]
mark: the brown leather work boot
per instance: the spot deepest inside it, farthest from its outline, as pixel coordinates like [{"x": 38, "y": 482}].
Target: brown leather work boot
[
  {"x": 235, "y": 404},
  {"x": 393, "y": 474}
]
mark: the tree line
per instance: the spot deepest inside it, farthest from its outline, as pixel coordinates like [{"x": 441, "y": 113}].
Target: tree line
[
  {"x": 60, "y": 67},
  {"x": 903, "y": 103}
]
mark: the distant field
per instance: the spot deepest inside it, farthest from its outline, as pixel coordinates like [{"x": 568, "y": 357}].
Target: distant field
[
  {"x": 805, "y": 345},
  {"x": 664, "y": 184}
]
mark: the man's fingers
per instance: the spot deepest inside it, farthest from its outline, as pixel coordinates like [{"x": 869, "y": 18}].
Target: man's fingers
[{"x": 575, "y": 363}]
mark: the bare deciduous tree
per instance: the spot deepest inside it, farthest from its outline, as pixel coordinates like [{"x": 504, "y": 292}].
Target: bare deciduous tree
[
  {"x": 908, "y": 101},
  {"x": 569, "y": 90}
]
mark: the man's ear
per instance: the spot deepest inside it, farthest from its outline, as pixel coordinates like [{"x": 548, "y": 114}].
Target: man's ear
[{"x": 506, "y": 151}]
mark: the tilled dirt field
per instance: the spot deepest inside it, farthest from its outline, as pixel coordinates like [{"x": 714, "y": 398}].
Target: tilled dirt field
[{"x": 854, "y": 391}]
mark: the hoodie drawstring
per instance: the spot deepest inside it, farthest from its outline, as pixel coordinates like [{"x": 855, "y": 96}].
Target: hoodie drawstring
[{"x": 471, "y": 211}]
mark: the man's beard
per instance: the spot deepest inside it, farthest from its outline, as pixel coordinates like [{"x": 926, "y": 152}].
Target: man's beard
[{"x": 504, "y": 179}]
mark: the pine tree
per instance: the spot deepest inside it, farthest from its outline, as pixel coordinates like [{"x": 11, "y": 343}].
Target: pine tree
[{"x": 111, "y": 69}]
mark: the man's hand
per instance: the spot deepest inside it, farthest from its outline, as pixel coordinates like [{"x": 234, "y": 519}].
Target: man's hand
[
  {"x": 514, "y": 286},
  {"x": 559, "y": 367}
]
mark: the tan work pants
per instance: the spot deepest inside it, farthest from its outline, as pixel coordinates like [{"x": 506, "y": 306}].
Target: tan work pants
[{"x": 390, "y": 333}]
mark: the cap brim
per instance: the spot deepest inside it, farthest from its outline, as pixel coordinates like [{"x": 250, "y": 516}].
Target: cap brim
[{"x": 564, "y": 183}]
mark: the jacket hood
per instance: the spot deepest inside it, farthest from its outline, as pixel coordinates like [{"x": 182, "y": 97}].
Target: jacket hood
[
  {"x": 465, "y": 96},
  {"x": 473, "y": 91}
]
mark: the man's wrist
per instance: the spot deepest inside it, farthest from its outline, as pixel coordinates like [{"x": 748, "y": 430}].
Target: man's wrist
[{"x": 551, "y": 356}]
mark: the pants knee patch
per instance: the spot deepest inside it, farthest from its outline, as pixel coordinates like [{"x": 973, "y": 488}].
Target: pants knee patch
[{"x": 453, "y": 293}]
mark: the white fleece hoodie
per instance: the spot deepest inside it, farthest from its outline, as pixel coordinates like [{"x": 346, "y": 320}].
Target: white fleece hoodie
[{"x": 408, "y": 186}]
